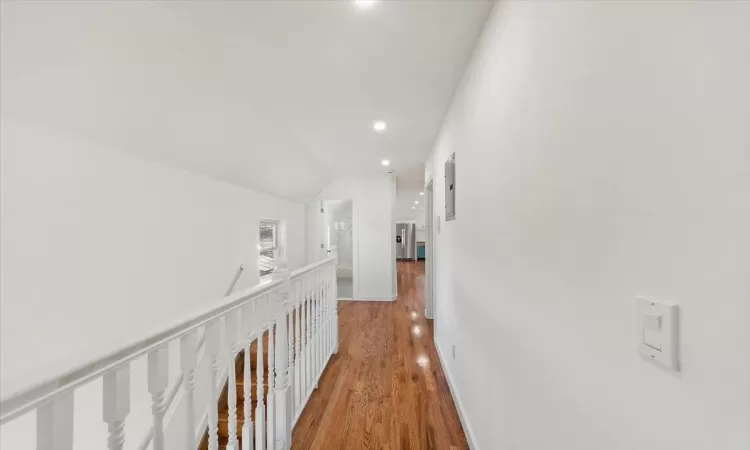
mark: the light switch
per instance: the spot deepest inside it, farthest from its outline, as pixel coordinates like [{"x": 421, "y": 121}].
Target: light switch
[
  {"x": 656, "y": 332},
  {"x": 652, "y": 331},
  {"x": 652, "y": 322}
]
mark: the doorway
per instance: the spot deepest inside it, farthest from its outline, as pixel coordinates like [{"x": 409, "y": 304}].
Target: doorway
[
  {"x": 338, "y": 224},
  {"x": 430, "y": 252}
]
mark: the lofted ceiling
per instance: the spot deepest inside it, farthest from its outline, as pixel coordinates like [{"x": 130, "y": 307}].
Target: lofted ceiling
[{"x": 277, "y": 96}]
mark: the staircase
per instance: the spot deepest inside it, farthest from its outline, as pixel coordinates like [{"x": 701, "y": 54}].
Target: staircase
[
  {"x": 287, "y": 329},
  {"x": 223, "y": 407}
]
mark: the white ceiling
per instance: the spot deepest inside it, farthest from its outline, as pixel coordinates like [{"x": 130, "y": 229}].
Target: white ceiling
[
  {"x": 408, "y": 187},
  {"x": 277, "y": 96}
]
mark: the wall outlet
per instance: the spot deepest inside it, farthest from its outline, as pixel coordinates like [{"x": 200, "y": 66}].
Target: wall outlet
[{"x": 453, "y": 350}]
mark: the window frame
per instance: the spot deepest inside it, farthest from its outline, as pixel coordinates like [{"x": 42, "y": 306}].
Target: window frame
[{"x": 264, "y": 247}]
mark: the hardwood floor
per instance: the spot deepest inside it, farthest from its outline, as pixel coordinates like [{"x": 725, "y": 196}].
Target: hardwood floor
[{"x": 385, "y": 389}]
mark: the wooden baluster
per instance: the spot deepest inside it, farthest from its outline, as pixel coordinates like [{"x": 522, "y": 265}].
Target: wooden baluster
[
  {"x": 315, "y": 330},
  {"x": 158, "y": 380},
  {"x": 323, "y": 309},
  {"x": 291, "y": 373},
  {"x": 260, "y": 409},
  {"x": 326, "y": 311},
  {"x": 302, "y": 342},
  {"x": 314, "y": 337},
  {"x": 54, "y": 423},
  {"x": 212, "y": 351},
  {"x": 271, "y": 398},
  {"x": 298, "y": 348},
  {"x": 116, "y": 395},
  {"x": 321, "y": 346},
  {"x": 323, "y": 322},
  {"x": 282, "y": 421},
  {"x": 188, "y": 362},
  {"x": 324, "y": 294},
  {"x": 331, "y": 306},
  {"x": 324, "y": 301},
  {"x": 335, "y": 300},
  {"x": 310, "y": 298},
  {"x": 232, "y": 331},
  {"x": 334, "y": 306},
  {"x": 317, "y": 327},
  {"x": 249, "y": 320}
]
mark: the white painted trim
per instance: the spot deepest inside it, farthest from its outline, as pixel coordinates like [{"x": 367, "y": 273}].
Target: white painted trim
[
  {"x": 375, "y": 299},
  {"x": 298, "y": 414},
  {"x": 222, "y": 380},
  {"x": 430, "y": 249},
  {"x": 468, "y": 431}
]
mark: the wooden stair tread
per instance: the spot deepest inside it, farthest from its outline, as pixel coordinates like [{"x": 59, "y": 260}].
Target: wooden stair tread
[{"x": 223, "y": 423}]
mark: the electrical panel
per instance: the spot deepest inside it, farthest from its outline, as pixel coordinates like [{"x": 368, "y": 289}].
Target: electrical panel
[{"x": 450, "y": 188}]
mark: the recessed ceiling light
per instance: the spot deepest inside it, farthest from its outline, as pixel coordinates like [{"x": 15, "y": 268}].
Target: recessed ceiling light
[
  {"x": 365, "y": 4},
  {"x": 413, "y": 207},
  {"x": 385, "y": 162},
  {"x": 379, "y": 126},
  {"x": 416, "y": 202},
  {"x": 421, "y": 193}
]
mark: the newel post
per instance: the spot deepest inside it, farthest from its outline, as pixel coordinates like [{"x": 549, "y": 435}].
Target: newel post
[
  {"x": 335, "y": 306},
  {"x": 283, "y": 423}
]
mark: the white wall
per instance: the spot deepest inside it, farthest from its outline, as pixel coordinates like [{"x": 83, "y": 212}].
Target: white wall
[
  {"x": 99, "y": 247},
  {"x": 372, "y": 212},
  {"x": 602, "y": 152}
]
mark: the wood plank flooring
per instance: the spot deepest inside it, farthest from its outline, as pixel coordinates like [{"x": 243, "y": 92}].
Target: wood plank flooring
[{"x": 385, "y": 389}]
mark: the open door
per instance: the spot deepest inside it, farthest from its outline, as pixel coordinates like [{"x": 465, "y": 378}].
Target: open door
[{"x": 337, "y": 237}]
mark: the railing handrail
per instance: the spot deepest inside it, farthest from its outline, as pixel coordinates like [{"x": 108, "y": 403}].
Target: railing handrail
[
  {"x": 173, "y": 388},
  {"x": 310, "y": 267},
  {"x": 236, "y": 278},
  {"x": 26, "y": 399}
]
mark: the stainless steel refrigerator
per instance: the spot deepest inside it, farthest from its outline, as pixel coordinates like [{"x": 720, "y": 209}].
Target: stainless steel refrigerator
[{"x": 406, "y": 241}]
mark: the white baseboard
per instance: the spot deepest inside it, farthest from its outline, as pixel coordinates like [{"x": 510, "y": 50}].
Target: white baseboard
[
  {"x": 470, "y": 438},
  {"x": 374, "y": 299}
]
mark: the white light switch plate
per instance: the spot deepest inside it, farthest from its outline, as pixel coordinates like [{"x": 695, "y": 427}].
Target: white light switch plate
[{"x": 656, "y": 332}]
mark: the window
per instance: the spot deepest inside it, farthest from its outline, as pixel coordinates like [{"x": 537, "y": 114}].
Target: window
[{"x": 269, "y": 244}]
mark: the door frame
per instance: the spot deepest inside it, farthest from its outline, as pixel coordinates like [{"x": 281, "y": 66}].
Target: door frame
[
  {"x": 431, "y": 251},
  {"x": 322, "y": 235}
]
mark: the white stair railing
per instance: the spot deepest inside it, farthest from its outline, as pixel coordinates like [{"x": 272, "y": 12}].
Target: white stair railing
[
  {"x": 170, "y": 391},
  {"x": 298, "y": 310}
]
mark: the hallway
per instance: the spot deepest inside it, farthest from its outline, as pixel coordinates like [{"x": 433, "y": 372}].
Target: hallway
[{"x": 385, "y": 389}]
